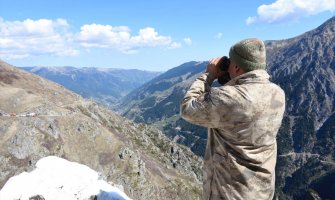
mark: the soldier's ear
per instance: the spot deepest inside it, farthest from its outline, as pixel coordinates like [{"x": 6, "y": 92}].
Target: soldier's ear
[{"x": 239, "y": 70}]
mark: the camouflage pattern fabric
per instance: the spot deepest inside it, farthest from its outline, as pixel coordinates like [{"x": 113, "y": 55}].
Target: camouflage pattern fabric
[{"x": 243, "y": 118}]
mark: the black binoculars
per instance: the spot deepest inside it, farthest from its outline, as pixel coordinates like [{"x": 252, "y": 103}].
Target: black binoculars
[{"x": 224, "y": 65}]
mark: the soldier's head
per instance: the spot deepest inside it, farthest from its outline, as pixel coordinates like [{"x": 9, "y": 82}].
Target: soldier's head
[{"x": 247, "y": 55}]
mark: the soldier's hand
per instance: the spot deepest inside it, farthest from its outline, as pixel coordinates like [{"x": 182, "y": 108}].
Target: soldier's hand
[{"x": 213, "y": 67}]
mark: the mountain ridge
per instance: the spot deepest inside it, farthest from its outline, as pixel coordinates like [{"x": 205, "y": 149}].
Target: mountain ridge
[{"x": 105, "y": 85}]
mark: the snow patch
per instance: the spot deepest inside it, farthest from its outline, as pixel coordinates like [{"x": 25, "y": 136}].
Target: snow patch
[{"x": 56, "y": 178}]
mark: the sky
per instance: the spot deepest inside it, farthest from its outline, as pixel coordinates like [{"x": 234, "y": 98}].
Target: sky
[
  {"x": 56, "y": 178},
  {"x": 148, "y": 35}
]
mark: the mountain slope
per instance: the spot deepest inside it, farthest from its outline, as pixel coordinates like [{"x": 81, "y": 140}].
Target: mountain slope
[
  {"x": 157, "y": 102},
  {"x": 105, "y": 85},
  {"x": 304, "y": 67},
  {"x": 40, "y": 118}
]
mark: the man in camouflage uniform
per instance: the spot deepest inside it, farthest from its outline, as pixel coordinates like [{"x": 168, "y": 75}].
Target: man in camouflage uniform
[{"x": 243, "y": 117}]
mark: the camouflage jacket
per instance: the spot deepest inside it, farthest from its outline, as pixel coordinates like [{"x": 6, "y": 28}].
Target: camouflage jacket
[{"x": 243, "y": 118}]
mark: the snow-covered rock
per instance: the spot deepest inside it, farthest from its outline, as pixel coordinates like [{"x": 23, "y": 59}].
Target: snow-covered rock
[{"x": 58, "y": 179}]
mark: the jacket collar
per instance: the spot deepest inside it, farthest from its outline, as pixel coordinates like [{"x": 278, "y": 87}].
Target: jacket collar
[{"x": 255, "y": 76}]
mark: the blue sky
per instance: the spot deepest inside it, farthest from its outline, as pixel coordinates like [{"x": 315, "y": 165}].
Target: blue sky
[{"x": 145, "y": 34}]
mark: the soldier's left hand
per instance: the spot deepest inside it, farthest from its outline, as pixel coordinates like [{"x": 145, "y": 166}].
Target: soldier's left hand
[{"x": 213, "y": 67}]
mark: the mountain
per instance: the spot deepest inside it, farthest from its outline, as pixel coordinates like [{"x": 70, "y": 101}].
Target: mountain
[
  {"x": 105, "y": 85},
  {"x": 304, "y": 66},
  {"x": 157, "y": 102},
  {"x": 57, "y": 178},
  {"x": 40, "y": 118}
]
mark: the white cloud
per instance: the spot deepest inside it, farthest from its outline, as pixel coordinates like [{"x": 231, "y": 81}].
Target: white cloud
[
  {"x": 106, "y": 36},
  {"x": 218, "y": 35},
  {"x": 174, "y": 45},
  {"x": 20, "y": 39},
  {"x": 102, "y": 36},
  {"x": 286, "y": 10},
  {"x": 188, "y": 41}
]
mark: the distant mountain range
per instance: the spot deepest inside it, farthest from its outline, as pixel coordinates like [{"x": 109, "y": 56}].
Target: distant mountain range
[
  {"x": 39, "y": 118},
  {"x": 105, "y": 85}
]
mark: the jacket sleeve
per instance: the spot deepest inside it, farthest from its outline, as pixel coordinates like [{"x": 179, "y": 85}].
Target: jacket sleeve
[{"x": 199, "y": 104}]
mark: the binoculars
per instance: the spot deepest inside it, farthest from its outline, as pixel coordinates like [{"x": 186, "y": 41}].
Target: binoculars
[{"x": 224, "y": 65}]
